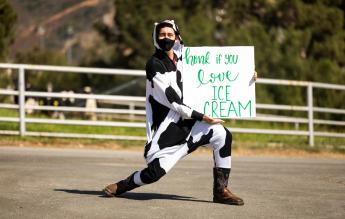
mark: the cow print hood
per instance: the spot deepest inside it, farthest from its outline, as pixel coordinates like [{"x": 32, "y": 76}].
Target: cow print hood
[{"x": 178, "y": 46}]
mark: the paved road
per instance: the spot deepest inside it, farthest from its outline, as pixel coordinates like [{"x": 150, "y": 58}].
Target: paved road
[{"x": 56, "y": 183}]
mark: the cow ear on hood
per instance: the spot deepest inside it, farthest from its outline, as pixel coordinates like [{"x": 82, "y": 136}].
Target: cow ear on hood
[{"x": 154, "y": 35}]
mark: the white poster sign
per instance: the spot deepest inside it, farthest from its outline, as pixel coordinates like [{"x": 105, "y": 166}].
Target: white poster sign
[{"x": 217, "y": 81}]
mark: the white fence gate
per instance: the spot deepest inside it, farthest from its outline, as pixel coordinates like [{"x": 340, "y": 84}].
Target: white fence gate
[{"x": 132, "y": 101}]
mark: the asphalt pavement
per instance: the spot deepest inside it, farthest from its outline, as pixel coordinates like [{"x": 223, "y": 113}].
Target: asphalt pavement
[{"x": 67, "y": 183}]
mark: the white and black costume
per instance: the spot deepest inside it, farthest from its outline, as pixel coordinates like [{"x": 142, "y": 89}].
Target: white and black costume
[{"x": 174, "y": 129}]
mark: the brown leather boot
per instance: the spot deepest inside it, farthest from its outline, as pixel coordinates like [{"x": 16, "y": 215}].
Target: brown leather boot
[
  {"x": 120, "y": 187},
  {"x": 221, "y": 194}
]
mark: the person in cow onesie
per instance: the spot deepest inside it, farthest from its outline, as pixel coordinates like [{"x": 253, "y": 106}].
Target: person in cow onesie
[{"x": 174, "y": 130}]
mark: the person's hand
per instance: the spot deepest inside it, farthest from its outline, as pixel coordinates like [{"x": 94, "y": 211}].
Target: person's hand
[
  {"x": 210, "y": 120},
  {"x": 255, "y": 76}
]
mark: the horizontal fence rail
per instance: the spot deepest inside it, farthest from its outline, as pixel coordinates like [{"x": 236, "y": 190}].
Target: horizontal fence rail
[{"x": 131, "y": 102}]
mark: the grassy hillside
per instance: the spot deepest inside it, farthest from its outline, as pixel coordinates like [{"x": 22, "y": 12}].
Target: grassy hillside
[{"x": 57, "y": 25}]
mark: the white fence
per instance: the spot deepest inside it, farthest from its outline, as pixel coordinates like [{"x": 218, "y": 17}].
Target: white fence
[{"x": 132, "y": 101}]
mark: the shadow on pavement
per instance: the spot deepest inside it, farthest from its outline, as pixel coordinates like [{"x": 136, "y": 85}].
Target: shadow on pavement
[
  {"x": 134, "y": 195},
  {"x": 82, "y": 192}
]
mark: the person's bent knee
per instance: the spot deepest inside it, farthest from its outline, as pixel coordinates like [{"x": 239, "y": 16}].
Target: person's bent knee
[
  {"x": 221, "y": 134},
  {"x": 152, "y": 173},
  {"x": 217, "y": 128}
]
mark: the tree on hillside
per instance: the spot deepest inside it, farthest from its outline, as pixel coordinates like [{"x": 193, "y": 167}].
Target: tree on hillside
[{"x": 8, "y": 19}]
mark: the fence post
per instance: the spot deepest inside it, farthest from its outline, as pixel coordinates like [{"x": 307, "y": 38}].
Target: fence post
[
  {"x": 310, "y": 114},
  {"x": 131, "y": 108},
  {"x": 21, "y": 88}
]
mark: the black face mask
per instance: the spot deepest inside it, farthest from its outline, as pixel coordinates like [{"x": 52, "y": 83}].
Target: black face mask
[{"x": 166, "y": 44}]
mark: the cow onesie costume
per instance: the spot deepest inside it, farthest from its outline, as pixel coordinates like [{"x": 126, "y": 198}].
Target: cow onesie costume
[{"x": 174, "y": 130}]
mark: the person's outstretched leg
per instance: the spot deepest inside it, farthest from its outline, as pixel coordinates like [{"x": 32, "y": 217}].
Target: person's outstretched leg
[
  {"x": 220, "y": 139},
  {"x": 152, "y": 173}
]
